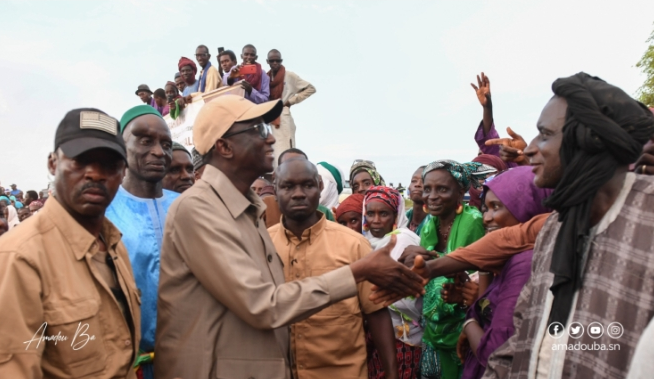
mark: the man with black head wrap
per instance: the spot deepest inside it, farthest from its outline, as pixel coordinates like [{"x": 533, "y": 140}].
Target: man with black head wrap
[{"x": 593, "y": 265}]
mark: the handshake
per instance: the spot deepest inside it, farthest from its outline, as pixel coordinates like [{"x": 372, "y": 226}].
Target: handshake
[{"x": 394, "y": 280}]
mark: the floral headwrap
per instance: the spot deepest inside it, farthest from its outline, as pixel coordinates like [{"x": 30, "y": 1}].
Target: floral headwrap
[
  {"x": 369, "y": 167},
  {"x": 465, "y": 174},
  {"x": 386, "y": 195},
  {"x": 390, "y": 197}
]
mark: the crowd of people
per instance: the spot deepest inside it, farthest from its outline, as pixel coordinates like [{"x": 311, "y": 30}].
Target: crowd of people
[
  {"x": 16, "y": 206},
  {"x": 259, "y": 86},
  {"x": 153, "y": 261}
]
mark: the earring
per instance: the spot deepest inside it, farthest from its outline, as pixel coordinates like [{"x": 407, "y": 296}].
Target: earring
[
  {"x": 424, "y": 208},
  {"x": 459, "y": 210}
]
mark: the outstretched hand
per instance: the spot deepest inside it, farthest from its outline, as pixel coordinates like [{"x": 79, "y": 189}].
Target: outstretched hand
[
  {"x": 388, "y": 297},
  {"x": 411, "y": 252},
  {"x": 483, "y": 90},
  {"x": 383, "y": 271},
  {"x": 511, "y": 149}
]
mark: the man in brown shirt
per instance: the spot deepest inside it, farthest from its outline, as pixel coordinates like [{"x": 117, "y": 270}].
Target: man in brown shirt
[
  {"x": 70, "y": 307},
  {"x": 331, "y": 343},
  {"x": 224, "y": 309}
]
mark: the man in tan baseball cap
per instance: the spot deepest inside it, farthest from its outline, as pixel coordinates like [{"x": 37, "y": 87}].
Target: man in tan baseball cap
[
  {"x": 225, "y": 112},
  {"x": 221, "y": 279}
]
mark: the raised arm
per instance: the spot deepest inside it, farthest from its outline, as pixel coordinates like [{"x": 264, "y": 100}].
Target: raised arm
[
  {"x": 482, "y": 89},
  {"x": 494, "y": 249}
]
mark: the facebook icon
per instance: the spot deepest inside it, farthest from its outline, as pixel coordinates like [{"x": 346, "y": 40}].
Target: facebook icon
[{"x": 555, "y": 330}]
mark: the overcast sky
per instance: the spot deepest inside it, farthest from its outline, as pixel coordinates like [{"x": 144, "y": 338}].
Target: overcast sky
[{"x": 393, "y": 77}]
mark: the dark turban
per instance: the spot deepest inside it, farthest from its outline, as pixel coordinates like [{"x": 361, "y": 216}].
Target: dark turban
[
  {"x": 183, "y": 61},
  {"x": 604, "y": 129}
]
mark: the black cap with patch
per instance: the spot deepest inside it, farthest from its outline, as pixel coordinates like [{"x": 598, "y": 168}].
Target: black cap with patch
[{"x": 86, "y": 129}]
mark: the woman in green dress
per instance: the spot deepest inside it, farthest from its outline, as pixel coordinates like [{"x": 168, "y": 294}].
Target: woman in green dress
[{"x": 453, "y": 224}]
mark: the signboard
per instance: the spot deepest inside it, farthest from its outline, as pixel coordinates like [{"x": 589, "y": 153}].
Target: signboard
[{"x": 182, "y": 127}]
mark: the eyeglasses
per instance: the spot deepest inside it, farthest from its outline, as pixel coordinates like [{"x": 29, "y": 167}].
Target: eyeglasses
[
  {"x": 274, "y": 61},
  {"x": 359, "y": 161},
  {"x": 264, "y": 131},
  {"x": 201, "y": 55}
]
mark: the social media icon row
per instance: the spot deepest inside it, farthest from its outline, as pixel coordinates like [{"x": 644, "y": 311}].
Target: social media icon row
[{"x": 594, "y": 329}]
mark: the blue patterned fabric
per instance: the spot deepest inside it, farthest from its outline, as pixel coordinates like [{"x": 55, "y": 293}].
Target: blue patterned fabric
[{"x": 141, "y": 221}]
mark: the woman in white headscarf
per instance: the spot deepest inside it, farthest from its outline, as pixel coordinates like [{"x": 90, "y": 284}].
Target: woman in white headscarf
[{"x": 12, "y": 217}]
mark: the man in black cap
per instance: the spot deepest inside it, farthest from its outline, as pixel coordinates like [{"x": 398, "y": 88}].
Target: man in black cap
[
  {"x": 144, "y": 93},
  {"x": 70, "y": 307}
]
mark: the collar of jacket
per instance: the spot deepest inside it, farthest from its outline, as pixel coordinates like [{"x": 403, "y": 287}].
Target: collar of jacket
[{"x": 234, "y": 200}]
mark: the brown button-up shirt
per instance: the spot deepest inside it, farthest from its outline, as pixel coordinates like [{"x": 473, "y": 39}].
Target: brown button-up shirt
[
  {"x": 331, "y": 343},
  {"x": 224, "y": 309},
  {"x": 59, "y": 318}
]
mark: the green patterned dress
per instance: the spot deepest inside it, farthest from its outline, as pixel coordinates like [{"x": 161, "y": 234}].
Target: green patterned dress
[{"x": 442, "y": 321}]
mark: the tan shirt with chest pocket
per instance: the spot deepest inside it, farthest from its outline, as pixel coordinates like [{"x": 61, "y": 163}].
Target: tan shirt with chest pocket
[
  {"x": 224, "y": 309},
  {"x": 59, "y": 316},
  {"x": 331, "y": 343}
]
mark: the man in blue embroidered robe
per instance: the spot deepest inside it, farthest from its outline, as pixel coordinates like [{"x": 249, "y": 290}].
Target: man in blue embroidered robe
[{"x": 139, "y": 211}]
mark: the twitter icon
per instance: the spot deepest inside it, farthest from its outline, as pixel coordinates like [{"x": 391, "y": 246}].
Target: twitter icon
[{"x": 575, "y": 330}]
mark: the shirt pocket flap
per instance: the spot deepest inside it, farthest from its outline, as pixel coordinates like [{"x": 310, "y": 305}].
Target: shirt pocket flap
[
  {"x": 65, "y": 313},
  {"x": 4, "y": 358}
]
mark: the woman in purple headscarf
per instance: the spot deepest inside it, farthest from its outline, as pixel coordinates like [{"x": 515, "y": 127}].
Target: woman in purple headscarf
[
  {"x": 508, "y": 199},
  {"x": 490, "y": 160}
]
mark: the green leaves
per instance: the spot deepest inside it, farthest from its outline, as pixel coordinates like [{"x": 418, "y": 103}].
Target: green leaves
[{"x": 646, "y": 63}]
